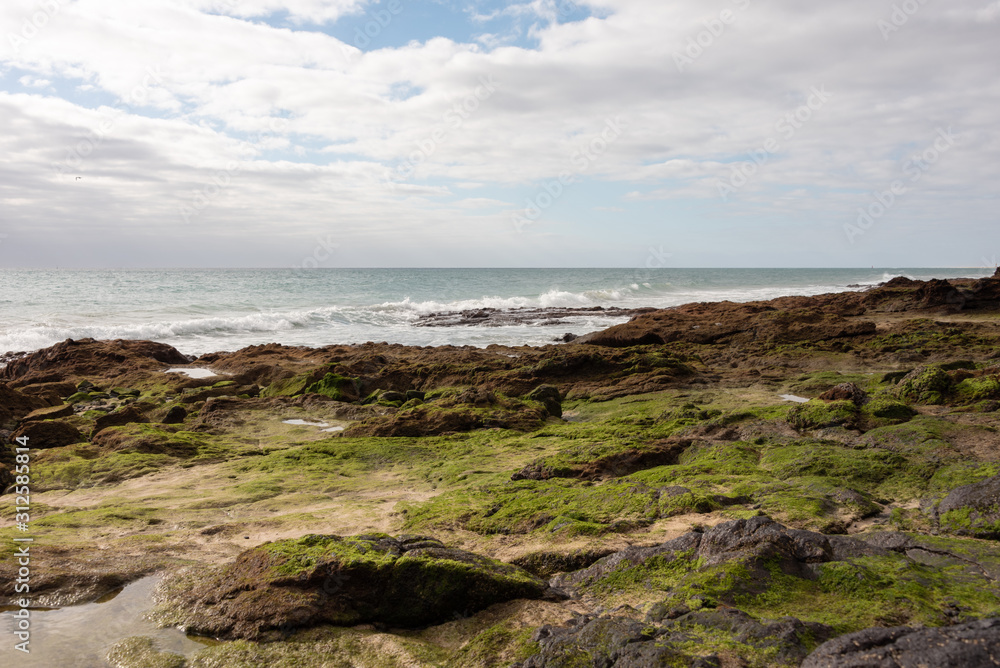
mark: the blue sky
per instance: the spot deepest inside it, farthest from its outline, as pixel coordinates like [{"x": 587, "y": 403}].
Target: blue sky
[{"x": 541, "y": 133}]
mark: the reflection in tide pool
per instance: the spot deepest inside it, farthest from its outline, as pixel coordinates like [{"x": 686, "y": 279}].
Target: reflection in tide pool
[{"x": 80, "y": 636}]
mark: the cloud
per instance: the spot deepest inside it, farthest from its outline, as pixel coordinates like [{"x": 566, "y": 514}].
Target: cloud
[
  {"x": 29, "y": 81},
  {"x": 194, "y": 89}
]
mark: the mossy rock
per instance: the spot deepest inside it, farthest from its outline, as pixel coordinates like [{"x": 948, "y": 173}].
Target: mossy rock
[
  {"x": 972, "y": 510},
  {"x": 817, "y": 414},
  {"x": 972, "y": 390},
  {"x": 925, "y": 385},
  {"x": 883, "y": 411},
  {"x": 335, "y": 386},
  {"x": 409, "y": 581}
]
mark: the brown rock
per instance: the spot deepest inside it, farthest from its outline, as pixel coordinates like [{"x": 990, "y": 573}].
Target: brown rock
[
  {"x": 14, "y": 405},
  {"x": 846, "y": 392},
  {"x": 49, "y": 434},
  {"x": 120, "y": 417},
  {"x": 87, "y": 357},
  {"x": 50, "y": 413}
]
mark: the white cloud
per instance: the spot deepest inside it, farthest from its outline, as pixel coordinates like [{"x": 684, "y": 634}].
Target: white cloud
[
  {"x": 31, "y": 82},
  {"x": 194, "y": 78}
]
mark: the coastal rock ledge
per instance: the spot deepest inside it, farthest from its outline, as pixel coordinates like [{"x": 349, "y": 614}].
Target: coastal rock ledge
[{"x": 271, "y": 590}]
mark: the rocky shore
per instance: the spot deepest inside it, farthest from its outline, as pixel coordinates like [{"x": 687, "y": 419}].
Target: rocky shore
[{"x": 807, "y": 481}]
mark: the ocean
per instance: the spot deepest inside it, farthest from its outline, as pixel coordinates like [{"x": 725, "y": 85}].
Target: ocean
[{"x": 200, "y": 311}]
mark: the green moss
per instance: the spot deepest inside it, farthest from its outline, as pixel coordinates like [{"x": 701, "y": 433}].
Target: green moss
[
  {"x": 931, "y": 385},
  {"x": 141, "y": 652},
  {"x": 337, "y": 387},
  {"x": 972, "y": 390},
  {"x": 883, "y": 410},
  {"x": 872, "y": 591},
  {"x": 818, "y": 414},
  {"x": 289, "y": 387},
  {"x": 498, "y": 646}
]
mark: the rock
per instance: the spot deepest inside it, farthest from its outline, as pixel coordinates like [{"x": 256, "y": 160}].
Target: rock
[
  {"x": 971, "y": 645},
  {"x": 546, "y": 564},
  {"x": 625, "y": 643},
  {"x": 94, "y": 359},
  {"x": 14, "y": 405},
  {"x": 846, "y": 391},
  {"x": 147, "y": 439},
  {"x": 49, "y": 434},
  {"x": 972, "y": 510},
  {"x": 408, "y": 581},
  {"x": 120, "y": 417},
  {"x": 925, "y": 385},
  {"x": 568, "y": 337},
  {"x": 50, "y": 413},
  {"x": 176, "y": 415},
  {"x": 392, "y": 397},
  {"x": 549, "y": 397},
  {"x": 415, "y": 394},
  {"x": 726, "y": 322}
]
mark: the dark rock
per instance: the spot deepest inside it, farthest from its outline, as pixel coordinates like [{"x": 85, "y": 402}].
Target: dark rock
[
  {"x": 49, "y": 434},
  {"x": 568, "y": 337},
  {"x": 846, "y": 391},
  {"x": 972, "y": 510},
  {"x": 549, "y": 397},
  {"x": 50, "y": 413},
  {"x": 391, "y": 397},
  {"x": 546, "y": 564},
  {"x": 87, "y": 357},
  {"x": 14, "y": 405},
  {"x": 176, "y": 415},
  {"x": 971, "y": 645},
  {"x": 271, "y": 589},
  {"x": 120, "y": 417},
  {"x": 415, "y": 394}
]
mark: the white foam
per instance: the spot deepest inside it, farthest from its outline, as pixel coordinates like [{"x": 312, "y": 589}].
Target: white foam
[
  {"x": 193, "y": 372},
  {"x": 792, "y": 397},
  {"x": 306, "y": 423}
]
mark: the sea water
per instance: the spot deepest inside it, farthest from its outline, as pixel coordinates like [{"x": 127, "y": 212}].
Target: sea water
[{"x": 199, "y": 311}]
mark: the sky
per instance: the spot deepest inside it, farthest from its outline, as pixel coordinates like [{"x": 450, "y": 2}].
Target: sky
[{"x": 548, "y": 133}]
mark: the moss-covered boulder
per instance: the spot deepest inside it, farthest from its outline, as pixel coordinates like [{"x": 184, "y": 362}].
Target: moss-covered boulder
[
  {"x": 817, "y": 414},
  {"x": 971, "y": 390},
  {"x": 337, "y": 387},
  {"x": 925, "y": 385},
  {"x": 409, "y": 581},
  {"x": 972, "y": 510}
]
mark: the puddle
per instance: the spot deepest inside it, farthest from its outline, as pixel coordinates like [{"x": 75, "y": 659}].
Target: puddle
[
  {"x": 332, "y": 429},
  {"x": 792, "y": 397},
  {"x": 193, "y": 373},
  {"x": 80, "y": 636},
  {"x": 306, "y": 423}
]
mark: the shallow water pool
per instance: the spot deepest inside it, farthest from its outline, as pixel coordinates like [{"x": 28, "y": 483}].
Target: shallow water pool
[{"x": 79, "y": 636}]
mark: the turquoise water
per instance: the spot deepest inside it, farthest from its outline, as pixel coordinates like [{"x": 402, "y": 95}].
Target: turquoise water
[{"x": 200, "y": 311}]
